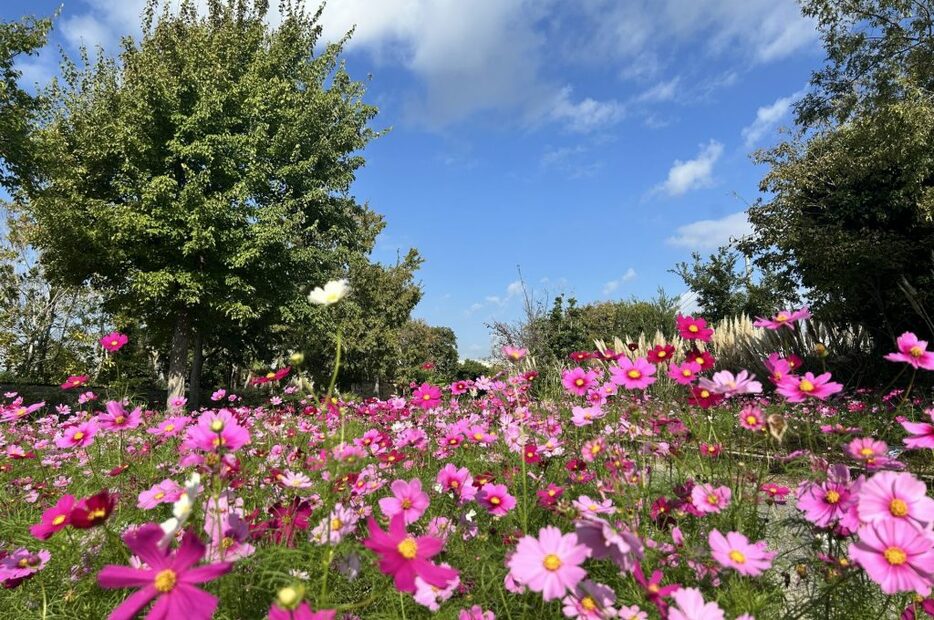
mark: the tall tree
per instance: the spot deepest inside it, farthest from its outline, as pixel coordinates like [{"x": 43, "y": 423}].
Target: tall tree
[{"x": 202, "y": 179}]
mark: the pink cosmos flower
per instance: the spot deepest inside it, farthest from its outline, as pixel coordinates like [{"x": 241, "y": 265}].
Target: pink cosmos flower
[
  {"x": 577, "y": 380},
  {"x": 867, "y": 449},
  {"x": 685, "y": 374},
  {"x": 114, "y": 341},
  {"x": 116, "y": 417},
  {"x": 408, "y": 500},
  {"x": 514, "y": 354},
  {"x": 751, "y": 418},
  {"x": 827, "y": 502},
  {"x": 896, "y": 555},
  {"x": 457, "y": 481},
  {"x": 735, "y": 551},
  {"x": 549, "y": 564},
  {"x": 774, "y": 492},
  {"x": 709, "y": 499},
  {"x": 693, "y": 329},
  {"x": 217, "y": 430},
  {"x": 585, "y": 505},
  {"x": 427, "y": 396},
  {"x": 691, "y": 606},
  {"x": 75, "y": 381},
  {"x": 778, "y": 367},
  {"x": 21, "y": 565},
  {"x": 784, "y": 318},
  {"x": 475, "y": 613},
  {"x": 168, "y": 578},
  {"x": 724, "y": 382},
  {"x": 78, "y": 436},
  {"x": 55, "y": 518},
  {"x": 585, "y": 416},
  {"x": 797, "y": 389},
  {"x": 890, "y": 495},
  {"x": 170, "y": 427},
  {"x": 922, "y": 433},
  {"x": 632, "y": 374},
  {"x": 621, "y": 546},
  {"x": 405, "y": 556},
  {"x": 432, "y": 597},
  {"x": 912, "y": 351},
  {"x": 590, "y": 601},
  {"x": 496, "y": 499},
  {"x": 18, "y": 410},
  {"x": 166, "y": 492}
]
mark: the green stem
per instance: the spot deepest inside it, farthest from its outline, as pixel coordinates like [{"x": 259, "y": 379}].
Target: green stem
[
  {"x": 337, "y": 365},
  {"x": 402, "y": 604}
]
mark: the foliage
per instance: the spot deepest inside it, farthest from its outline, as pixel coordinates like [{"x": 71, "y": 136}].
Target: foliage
[
  {"x": 724, "y": 291},
  {"x": 422, "y": 344}
]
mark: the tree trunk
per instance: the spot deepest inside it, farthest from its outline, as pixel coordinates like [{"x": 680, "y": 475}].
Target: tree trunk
[
  {"x": 194, "y": 380},
  {"x": 178, "y": 356}
]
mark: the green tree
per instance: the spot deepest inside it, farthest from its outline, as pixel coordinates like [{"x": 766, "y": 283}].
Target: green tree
[
  {"x": 17, "y": 106},
  {"x": 723, "y": 290},
  {"x": 202, "y": 180},
  {"x": 421, "y": 343}
]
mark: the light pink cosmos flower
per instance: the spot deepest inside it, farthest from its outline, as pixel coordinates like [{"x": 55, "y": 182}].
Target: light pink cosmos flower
[
  {"x": 496, "y": 499},
  {"x": 912, "y": 351},
  {"x": 605, "y": 541},
  {"x": 577, "y": 380},
  {"x": 585, "y": 505},
  {"x": 778, "y": 367},
  {"x": 475, "y": 613},
  {"x": 431, "y": 596},
  {"x": 797, "y": 389},
  {"x": 896, "y": 555},
  {"x": 18, "y": 411},
  {"x": 590, "y": 601},
  {"x": 514, "y": 354},
  {"x": 295, "y": 480},
  {"x": 585, "y": 416},
  {"x": 550, "y": 564},
  {"x": 784, "y": 318},
  {"x": 751, "y": 418},
  {"x": 890, "y": 495},
  {"x": 166, "y": 492},
  {"x": 340, "y": 523},
  {"x": 116, "y": 417},
  {"x": 691, "y": 606},
  {"x": 216, "y": 430},
  {"x": 77, "y": 436},
  {"x": 685, "y": 374},
  {"x": 709, "y": 499},
  {"x": 735, "y": 551},
  {"x": 633, "y": 374},
  {"x": 408, "y": 500},
  {"x": 725, "y": 383},
  {"x": 170, "y": 427},
  {"x": 867, "y": 449},
  {"x": 450, "y": 479},
  {"x": 922, "y": 433}
]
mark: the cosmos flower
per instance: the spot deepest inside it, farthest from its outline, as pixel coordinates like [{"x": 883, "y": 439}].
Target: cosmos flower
[
  {"x": 896, "y": 555},
  {"x": 913, "y": 352},
  {"x": 797, "y": 389},
  {"x": 496, "y": 499},
  {"x": 890, "y": 495},
  {"x": 77, "y": 436},
  {"x": 550, "y": 564},
  {"x": 691, "y": 606},
  {"x": 75, "y": 381},
  {"x": 407, "y": 499},
  {"x": 725, "y": 383},
  {"x": 709, "y": 499},
  {"x": 116, "y": 417},
  {"x": 784, "y": 318},
  {"x": 922, "y": 433},
  {"x": 406, "y": 557},
  {"x": 685, "y": 373},
  {"x": 55, "y": 519},
  {"x": 633, "y": 374},
  {"x": 577, "y": 380},
  {"x": 333, "y": 292},
  {"x": 114, "y": 341},
  {"x": 751, "y": 418},
  {"x": 693, "y": 329},
  {"x": 514, "y": 354},
  {"x": 427, "y": 396},
  {"x": 735, "y": 551}
]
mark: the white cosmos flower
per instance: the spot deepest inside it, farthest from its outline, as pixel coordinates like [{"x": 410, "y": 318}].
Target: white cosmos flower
[{"x": 333, "y": 292}]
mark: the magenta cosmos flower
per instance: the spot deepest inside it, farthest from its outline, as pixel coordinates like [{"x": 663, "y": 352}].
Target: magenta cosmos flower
[
  {"x": 168, "y": 578},
  {"x": 496, "y": 499},
  {"x": 708, "y": 499},
  {"x": 216, "y": 430},
  {"x": 633, "y": 374},
  {"x": 75, "y": 381},
  {"x": 407, "y": 499},
  {"x": 549, "y": 564},
  {"x": 784, "y": 318},
  {"x": 406, "y": 557},
  {"x": 114, "y": 341},
  {"x": 578, "y": 381},
  {"x": 77, "y": 436},
  {"x": 825, "y": 503},
  {"x": 691, "y": 606},
  {"x": 912, "y": 351},
  {"x": 116, "y": 417},
  {"x": 685, "y": 374},
  {"x": 693, "y": 329},
  {"x": 427, "y": 396},
  {"x": 55, "y": 518},
  {"x": 797, "y": 389},
  {"x": 735, "y": 551},
  {"x": 301, "y": 612},
  {"x": 896, "y": 555},
  {"x": 890, "y": 495},
  {"x": 922, "y": 433}
]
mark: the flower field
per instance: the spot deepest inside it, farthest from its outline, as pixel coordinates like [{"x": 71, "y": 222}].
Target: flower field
[{"x": 627, "y": 484}]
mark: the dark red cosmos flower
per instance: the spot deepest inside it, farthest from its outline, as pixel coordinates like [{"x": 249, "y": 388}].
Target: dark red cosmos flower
[
  {"x": 530, "y": 375},
  {"x": 608, "y": 355},
  {"x": 661, "y": 353},
  {"x": 655, "y": 592},
  {"x": 287, "y": 520},
  {"x": 702, "y": 358},
  {"x": 482, "y": 479},
  {"x": 633, "y": 346},
  {"x": 93, "y": 510},
  {"x": 704, "y": 398},
  {"x": 530, "y": 453},
  {"x": 393, "y": 457},
  {"x": 580, "y": 356}
]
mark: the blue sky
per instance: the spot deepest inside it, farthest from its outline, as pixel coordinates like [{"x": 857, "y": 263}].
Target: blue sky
[{"x": 594, "y": 144}]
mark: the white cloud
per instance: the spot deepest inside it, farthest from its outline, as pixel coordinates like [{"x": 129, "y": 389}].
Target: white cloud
[
  {"x": 514, "y": 288},
  {"x": 612, "y": 285},
  {"x": 662, "y": 91},
  {"x": 586, "y": 115},
  {"x": 696, "y": 173},
  {"x": 574, "y": 162},
  {"x": 711, "y": 234},
  {"x": 767, "y": 118}
]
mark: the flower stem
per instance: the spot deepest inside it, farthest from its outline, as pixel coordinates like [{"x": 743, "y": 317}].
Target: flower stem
[{"x": 337, "y": 365}]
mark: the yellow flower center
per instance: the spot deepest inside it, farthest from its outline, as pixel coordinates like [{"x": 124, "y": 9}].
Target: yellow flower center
[
  {"x": 496, "y": 501},
  {"x": 916, "y": 351},
  {"x": 78, "y": 436},
  {"x": 806, "y": 386},
  {"x": 119, "y": 419},
  {"x": 699, "y": 360},
  {"x": 895, "y": 556},
  {"x": 693, "y": 329},
  {"x": 687, "y": 372},
  {"x": 159, "y": 495},
  {"x": 593, "y": 508},
  {"x": 406, "y": 503},
  {"x": 579, "y": 382},
  {"x": 169, "y": 428},
  {"x": 634, "y": 374},
  {"x": 217, "y": 426},
  {"x": 408, "y": 548},
  {"x": 867, "y": 452},
  {"x": 713, "y": 500},
  {"x": 705, "y": 394},
  {"x": 781, "y": 318},
  {"x": 552, "y": 562},
  {"x": 58, "y": 520},
  {"x": 751, "y": 419},
  {"x": 227, "y": 542},
  {"x": 898, "y": 507},
  {"x": 588, "y": 603},
  {"x": 336, "y": 524},
  {"x": 737, "y": 556},
  {"x": 662, "y": 353},
  {"x": 832, "y": 497},
  {"x": 270, "y": 375},
  {"x": 478, "y": 436},
  {"x": 165, "y": 581}
]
